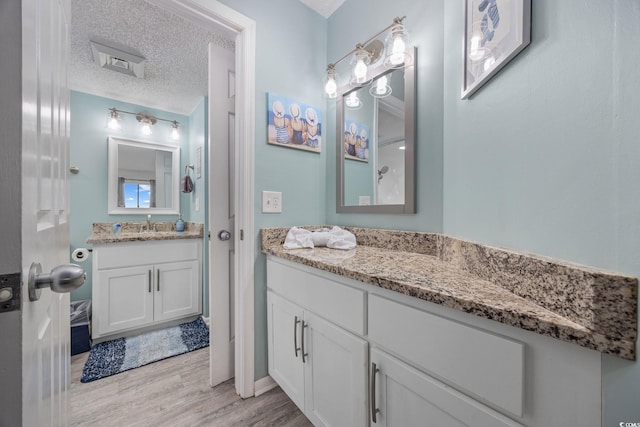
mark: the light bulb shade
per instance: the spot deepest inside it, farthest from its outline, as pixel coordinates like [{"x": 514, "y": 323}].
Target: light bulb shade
[
  {"x": 145, "y": 128},
  {"x": 114, "y": 119},
  {"x": 380, "y": 87},
  {"x": 360, "y": 60},
  {"x": 397, "y": 44},
  {"x": 330, "y": 84},
  {"x": 352, "y": 101},
  {"x": 175, "y": 133}
]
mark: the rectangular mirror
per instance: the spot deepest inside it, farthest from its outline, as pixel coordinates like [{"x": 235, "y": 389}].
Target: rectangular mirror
[
  {"x": 143, "y": 177},
  {"x": 376, "y": 143}
]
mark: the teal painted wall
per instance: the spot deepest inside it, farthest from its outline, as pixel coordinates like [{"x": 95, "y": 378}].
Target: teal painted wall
[
  {"x": 544, "y": 158},
  {"x": 88, "y": 152},
  {"x": 290, "y": 61}
]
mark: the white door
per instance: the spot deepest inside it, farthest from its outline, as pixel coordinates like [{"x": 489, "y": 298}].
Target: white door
[
  {"x": 38, "y": 377},
  {"x": 221, "y": 211},
  {"x": 177, "y": 290},
  {"x": 403, "y": 396},
  {"x": 284, "y": 334},
  {"x": 123, "y": 299}
]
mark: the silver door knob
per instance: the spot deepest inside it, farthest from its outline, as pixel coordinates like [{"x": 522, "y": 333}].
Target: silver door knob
[
  {"x": 224, "y": 235},
  {"x": 62, "y": 279}
]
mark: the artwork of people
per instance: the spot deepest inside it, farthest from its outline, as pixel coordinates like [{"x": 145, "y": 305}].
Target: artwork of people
[
  {"x": 356, "y": 141},
  {"x": 293, "y": 124}
]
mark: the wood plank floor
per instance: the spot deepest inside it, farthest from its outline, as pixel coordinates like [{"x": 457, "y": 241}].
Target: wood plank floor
[{"x": 173, "y": 392}]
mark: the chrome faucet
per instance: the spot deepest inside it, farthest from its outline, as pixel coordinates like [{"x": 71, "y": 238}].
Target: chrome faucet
[{"x": 149, "y": 223}]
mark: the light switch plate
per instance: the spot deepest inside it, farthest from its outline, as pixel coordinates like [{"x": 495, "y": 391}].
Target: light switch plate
[
  {"x": 271, "y": 202},
  {"x": 197, "y": 204}
]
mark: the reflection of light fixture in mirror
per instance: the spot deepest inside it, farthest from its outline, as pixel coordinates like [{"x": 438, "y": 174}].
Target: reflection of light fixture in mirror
[
  {"x": 114, "y": 119},
  {"x": 331, "y": 82},
  {"x": 381, "y": 172},
  {"x": 397, "y": 45},
  {"x": 360, "y": 60},
  {"x": 352, "y": 101},
  {"x": 489, "y": 62},
  {"x": 401, "y": 147},
  {"x": 476, "y": 52},
  {"x": 175, "y": 134},
  {"x": 381, "y": 88},
  {"x": 146, "y": 121}
]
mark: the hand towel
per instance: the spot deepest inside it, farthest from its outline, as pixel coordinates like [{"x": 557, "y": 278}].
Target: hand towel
[
  {"x": 336, "y": 238},
  {"x": 186, "y": 186}
]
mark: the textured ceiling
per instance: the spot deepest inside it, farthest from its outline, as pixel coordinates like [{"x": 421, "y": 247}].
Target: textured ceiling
[
  {"x": 175, "y": 49},
  {"x": 324, "y": 7}
]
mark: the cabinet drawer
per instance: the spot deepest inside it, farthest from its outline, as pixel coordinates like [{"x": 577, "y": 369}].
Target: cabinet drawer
[
  {"x": 339, "y": 303},
  {"x": 149, "y": 252},
  {"x": 488, "y": 366}
]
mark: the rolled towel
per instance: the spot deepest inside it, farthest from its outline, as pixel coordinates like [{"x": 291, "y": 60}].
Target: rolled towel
[
  {"x": 341, "y": 239},
  {"x": 336, "y": 238}
]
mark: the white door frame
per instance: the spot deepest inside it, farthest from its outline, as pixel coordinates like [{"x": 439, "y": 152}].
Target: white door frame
[{"x": 215, "y": 14}]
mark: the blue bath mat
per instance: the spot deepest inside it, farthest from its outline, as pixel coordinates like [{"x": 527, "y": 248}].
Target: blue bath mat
[{"x": 119, "y": 355}]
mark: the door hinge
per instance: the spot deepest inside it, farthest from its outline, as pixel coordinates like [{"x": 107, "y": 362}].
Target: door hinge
[
  {"x": 241, "y": 234},
  {"x": 9, "y": 292}
]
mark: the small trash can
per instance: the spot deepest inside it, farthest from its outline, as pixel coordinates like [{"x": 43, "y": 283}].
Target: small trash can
[{"x": 80, "y": 326}]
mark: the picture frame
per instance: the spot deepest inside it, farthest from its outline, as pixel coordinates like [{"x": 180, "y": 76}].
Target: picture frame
[
  {"x": 495, "y": 32},
  {"x": 293, "y": 124},
  {"x": 356, "y": 141}
]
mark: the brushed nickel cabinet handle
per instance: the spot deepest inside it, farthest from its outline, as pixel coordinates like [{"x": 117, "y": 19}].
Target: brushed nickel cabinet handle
[
  {"x": 374, "y": 410},
  {"x": 158, "y": 279},
  {"x": 304, "y": 325},
  {"x": 295, "y": 336},
  {"x": 150, "y": 281}
]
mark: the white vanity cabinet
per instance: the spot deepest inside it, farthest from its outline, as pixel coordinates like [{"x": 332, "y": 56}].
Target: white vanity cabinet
[
  {"x": 139, "y": 284},
  {"x": 424, "y": 364},
  {"x": 321, "y": 366}
]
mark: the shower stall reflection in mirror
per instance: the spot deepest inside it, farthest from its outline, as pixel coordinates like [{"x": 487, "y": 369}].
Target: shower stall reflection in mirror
[
  {"x": 389, "y": 152},
  {"x": 215, "y": 16}
]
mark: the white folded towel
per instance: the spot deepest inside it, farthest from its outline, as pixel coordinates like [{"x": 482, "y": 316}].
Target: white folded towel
[{"x": 336, "y": 238}]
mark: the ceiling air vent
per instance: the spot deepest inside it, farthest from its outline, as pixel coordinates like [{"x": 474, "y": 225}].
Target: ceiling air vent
[{"x": 117, "y": 57}]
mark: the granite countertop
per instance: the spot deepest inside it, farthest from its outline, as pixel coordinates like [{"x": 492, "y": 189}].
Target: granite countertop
[
  {"x": 589, "y": 307},
  {"x": 130, "y": 232}
]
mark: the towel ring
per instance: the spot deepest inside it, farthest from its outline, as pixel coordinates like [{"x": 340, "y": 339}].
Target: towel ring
[{"x": 190, "y": 166}]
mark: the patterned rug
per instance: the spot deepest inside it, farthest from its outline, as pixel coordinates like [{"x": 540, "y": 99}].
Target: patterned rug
[{"x": 122, "y": 354}]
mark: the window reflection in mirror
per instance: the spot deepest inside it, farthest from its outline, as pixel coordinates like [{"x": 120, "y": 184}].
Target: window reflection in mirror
[{"x": 143, "y": 177}]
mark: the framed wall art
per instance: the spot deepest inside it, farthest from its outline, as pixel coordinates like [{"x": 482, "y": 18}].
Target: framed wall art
[
  {"x": 495, "y": 31},
  {"x": 293, "y": 124}
]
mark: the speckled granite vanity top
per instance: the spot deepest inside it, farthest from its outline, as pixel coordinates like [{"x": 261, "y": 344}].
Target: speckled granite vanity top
[
  {"x": 131, "y": 232},
  {"x": 586, "y": 306}
]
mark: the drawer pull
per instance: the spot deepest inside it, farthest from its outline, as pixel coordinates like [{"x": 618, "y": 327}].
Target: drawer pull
[
  {"x": 295, "y": 336},
  {"x": 304, "y": 325},
  {"x": 150, "y": 281},
  {"x": 158, "y": 279},
  {"x": 374, "y": 410}
]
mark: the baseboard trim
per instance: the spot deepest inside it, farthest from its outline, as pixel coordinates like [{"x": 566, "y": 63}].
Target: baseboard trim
[{"x": 263, "y": 385}]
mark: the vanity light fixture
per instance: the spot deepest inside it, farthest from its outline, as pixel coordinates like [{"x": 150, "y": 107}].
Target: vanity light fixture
[
  {"x": 397, "y": 54},
  {"x": 146, "y": 122}
]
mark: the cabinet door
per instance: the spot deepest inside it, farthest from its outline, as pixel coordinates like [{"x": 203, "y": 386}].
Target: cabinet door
[
  {"x": 284, "y": 321},
  {"x": 177, "y": 287},
  {"x": 123, "y": 300},
  {"x": 335, "y": 374},
  {"x": 405, "y": 397}
]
